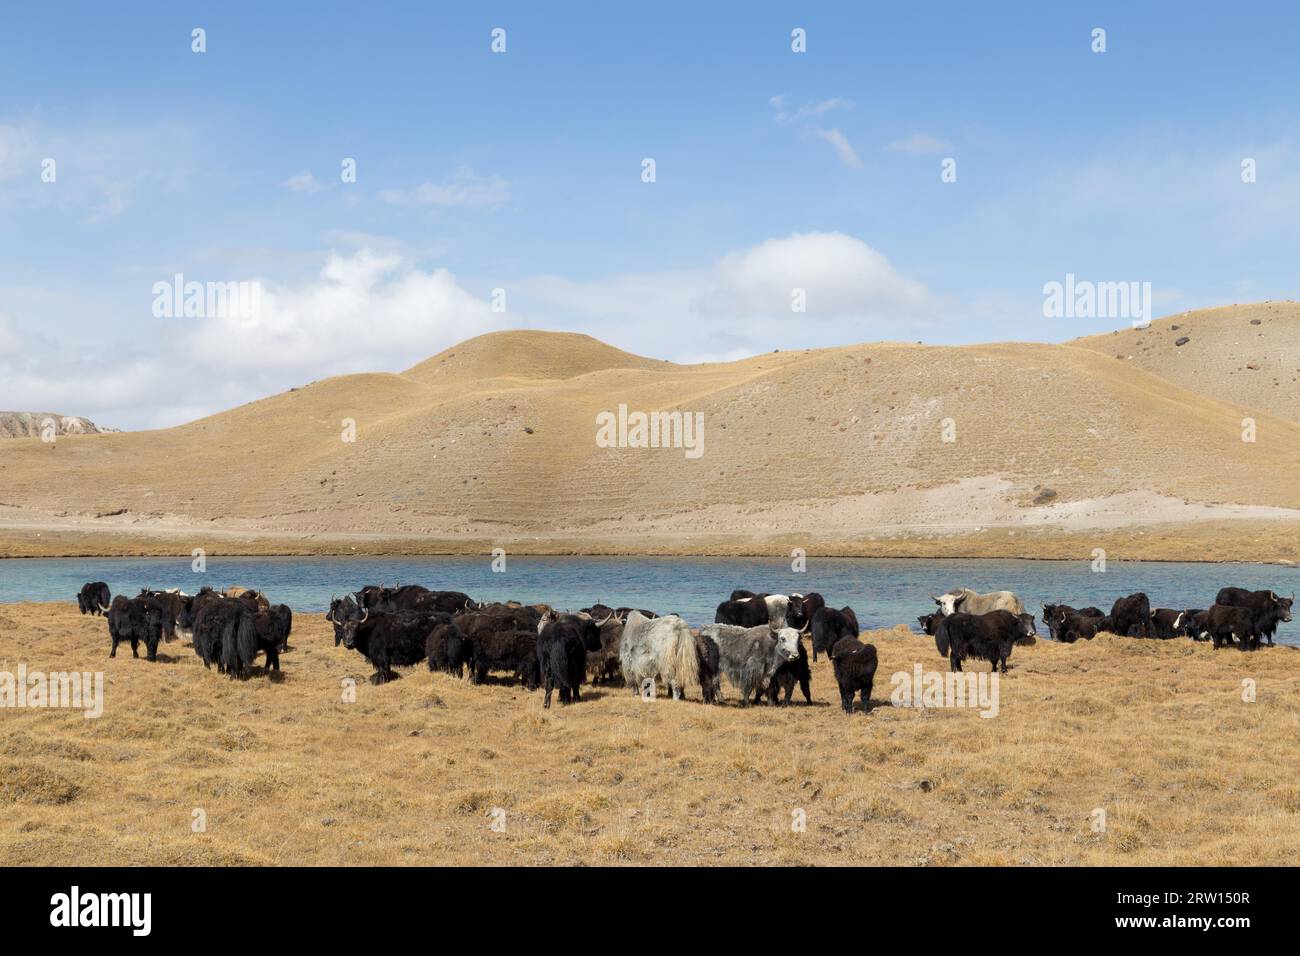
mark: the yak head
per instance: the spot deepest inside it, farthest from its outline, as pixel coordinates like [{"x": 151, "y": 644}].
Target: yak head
[
  {"x": 1027, "y": 632},
  {"x": 930, "y": 622},
  {"x": 352, "y": 626},
  {"x": 787, "y": 643},
  {"x": 950, "y": 603},
  {"x": 1284, "y": 606}
]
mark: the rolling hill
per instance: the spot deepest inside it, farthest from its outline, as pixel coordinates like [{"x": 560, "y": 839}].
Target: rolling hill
[{"x": 1056, "y": 449}]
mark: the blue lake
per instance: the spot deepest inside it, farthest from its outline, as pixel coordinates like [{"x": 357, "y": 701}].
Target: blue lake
[{"x": 884, "y": 591}]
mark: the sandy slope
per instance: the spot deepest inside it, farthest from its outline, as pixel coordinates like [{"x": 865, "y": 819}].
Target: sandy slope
[
  {"x": 1153, "y": 733},
  {"x": 493, "y": 442},
  {"x": 1247, "y": 354}
]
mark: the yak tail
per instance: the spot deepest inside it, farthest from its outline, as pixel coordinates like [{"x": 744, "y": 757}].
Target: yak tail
[
  {"x": 685, "y": 661},
  {"x": 239, "y": 650}
]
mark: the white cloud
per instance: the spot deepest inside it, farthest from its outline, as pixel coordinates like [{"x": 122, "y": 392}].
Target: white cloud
[
  {"x": 463, "y": 188},
  {"x": 843, "y": 148},
  {"x": 742, "y": 303},
  {"x": 363, "y": 312},
  {"x": 380, "y": 310},
  {"x": 304, "y": 182},
  {"x": 919, "y": 144},
  {"x": 808, "y": 110}
]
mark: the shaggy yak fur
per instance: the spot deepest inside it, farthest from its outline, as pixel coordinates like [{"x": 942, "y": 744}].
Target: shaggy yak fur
[
  {"x": 855, "y": 671},
  {"x": 562, "y": 649},
  {"x": 989, "y": 636},
  {"x": 829, "y": 625},
  {"x": 390, "y": 640},
  {"x": 660, "y": 648},
  {"x": 448, "y": 649},
  {"x": 514, "y": 652},
  {"x": 135, "y": 620},
  {"x": 786, "y": 676},
  {"x": 94, "y": 598},
  {"x": 750, "y": 656},
  {"x": 1131, "y": 616}
]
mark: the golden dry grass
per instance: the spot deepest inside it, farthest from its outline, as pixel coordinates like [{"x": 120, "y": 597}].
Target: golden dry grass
[
  {"x": 1155, "y": 733},
  {"x": 493, "y": 443}
]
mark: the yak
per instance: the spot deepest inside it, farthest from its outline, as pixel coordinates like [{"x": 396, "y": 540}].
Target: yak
[
  {"x": 988, "y": 636},
  {"x": 1129, "y": 614},
  {"x": 855, "y": 671},
  {"x": 562, "y": 649},
  {"x": 745, "y": 612},
  {"x": 786, "y": 676},
  {"x": 94, "y": 598},
  {"x": 829, "y": 625},
  {"x": 966, "y": 601},
  {"x": 660, "y": 648},
  {"x": 750, "y": 656},
  {"x": 514, "y": 652},
  {"x": 1052, "y": 615},
  {"x": 802, "y": 609},
  {"x": 1268, "y": 609},
  {"x": 388, "y": 640},
  {"x": 448, "y": 649},
  {"x": 135, "y": 620}
]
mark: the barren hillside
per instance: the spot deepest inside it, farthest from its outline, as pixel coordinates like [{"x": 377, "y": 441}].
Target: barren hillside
[
  {"x": 1248, "y": 354},
  {"x": 493, "y": 442}
]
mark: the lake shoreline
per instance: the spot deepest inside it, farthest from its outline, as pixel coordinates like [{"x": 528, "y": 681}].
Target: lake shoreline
[{"x": 1250, "y": 542}]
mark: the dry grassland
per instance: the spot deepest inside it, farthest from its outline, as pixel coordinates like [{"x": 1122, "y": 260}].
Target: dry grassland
[{"x": 1154, "y": 733}]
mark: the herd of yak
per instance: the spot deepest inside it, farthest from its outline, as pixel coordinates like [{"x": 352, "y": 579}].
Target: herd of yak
[{"x": 756, "y": 639}]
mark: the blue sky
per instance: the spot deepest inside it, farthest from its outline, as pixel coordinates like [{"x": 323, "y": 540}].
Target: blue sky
[{"x": 522, "y": 171}]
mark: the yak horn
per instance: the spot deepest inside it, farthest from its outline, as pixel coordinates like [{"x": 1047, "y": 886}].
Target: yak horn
[
  {"x": 606, "y": 621},
  {"x": 365, "y": 615}
]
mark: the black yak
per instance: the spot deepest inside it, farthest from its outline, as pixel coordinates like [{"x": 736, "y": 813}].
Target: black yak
[
  {"x": 1267, "y": 609},
  {"x": 1131, "y": 614},
  {"x": 448, "y": 649},
  {"x": 389, "y": 640},
  {"x": 514, "y": 652},
  {"x": 829, "y": 625},
  {"x": 135, "y": 620},
  {"x": 855, "y": 671},
  {"x": 94, "y": 598},
  {"x": 562, "y": 650},
  {"x": 988, "y": 637}
]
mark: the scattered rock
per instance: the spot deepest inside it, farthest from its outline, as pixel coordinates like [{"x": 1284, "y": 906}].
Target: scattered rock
[
  {"x": 1255, "y": 321},
  {"x": 1044, "y": 496},
  {"x": 527, "y": 430},
  {"x": 1182, "y": 340}
]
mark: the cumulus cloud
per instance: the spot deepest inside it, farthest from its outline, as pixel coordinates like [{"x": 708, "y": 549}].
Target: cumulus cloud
[
  {"x": 463, "y": 188},
  {"x": 743, "y": 303},
  {"x": 365, "y": 311},
  {"x": 380, "y": 310}
]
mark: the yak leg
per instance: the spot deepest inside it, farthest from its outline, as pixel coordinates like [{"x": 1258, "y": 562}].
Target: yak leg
[
  {"x": 846, "y": 700},
  {"x": 549, "y": 687}
]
